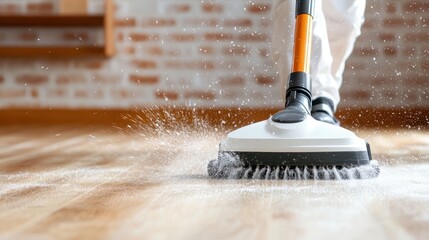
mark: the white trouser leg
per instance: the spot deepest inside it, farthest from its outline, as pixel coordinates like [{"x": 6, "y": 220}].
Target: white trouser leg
[
  {"x": 344, "y": 20},
  {"x": 336, "y": 26}
]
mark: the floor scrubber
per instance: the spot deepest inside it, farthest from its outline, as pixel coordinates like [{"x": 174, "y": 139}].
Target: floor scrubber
[{"x": 291, "y": 144}]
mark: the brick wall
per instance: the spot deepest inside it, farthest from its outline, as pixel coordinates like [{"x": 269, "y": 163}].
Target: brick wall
[
  {"x": 389, "y": 67},
  {"x": 207, "y": 53}
]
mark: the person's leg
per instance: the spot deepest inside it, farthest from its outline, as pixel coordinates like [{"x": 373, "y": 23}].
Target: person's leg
[
  {"x": 321, "y": 58},
  {"x": 344, "y": 20},
  {"x": 325, "y": 89}
]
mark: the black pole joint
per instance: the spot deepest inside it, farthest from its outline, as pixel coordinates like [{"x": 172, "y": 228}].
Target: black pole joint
[{"x": 305, "y": 7}]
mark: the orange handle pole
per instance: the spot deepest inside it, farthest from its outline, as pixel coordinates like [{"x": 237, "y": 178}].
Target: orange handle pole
[{"x": 302, "y": 44}]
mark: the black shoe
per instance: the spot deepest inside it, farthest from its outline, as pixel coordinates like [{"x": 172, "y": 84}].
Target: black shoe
[{"x": 323, "y": 110}]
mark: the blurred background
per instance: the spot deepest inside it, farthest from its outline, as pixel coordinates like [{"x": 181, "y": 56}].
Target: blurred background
[{"x": 94, "y": 61}]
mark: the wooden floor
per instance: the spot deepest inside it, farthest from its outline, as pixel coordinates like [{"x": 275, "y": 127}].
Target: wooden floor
[{"x": 88, "y": 183}]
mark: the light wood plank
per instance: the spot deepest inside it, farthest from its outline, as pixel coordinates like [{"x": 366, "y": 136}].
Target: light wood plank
[{"x": 88, "y": 183}]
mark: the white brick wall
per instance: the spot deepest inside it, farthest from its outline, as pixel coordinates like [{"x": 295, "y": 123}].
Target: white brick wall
[{"x": 208, "y": 53}]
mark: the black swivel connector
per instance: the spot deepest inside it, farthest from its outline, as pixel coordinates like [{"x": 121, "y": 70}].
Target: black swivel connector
[{"x": 298, "y": 99}]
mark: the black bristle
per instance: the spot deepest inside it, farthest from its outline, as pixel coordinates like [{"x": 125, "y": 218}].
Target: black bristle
[{"x": 230, "y": 168}]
